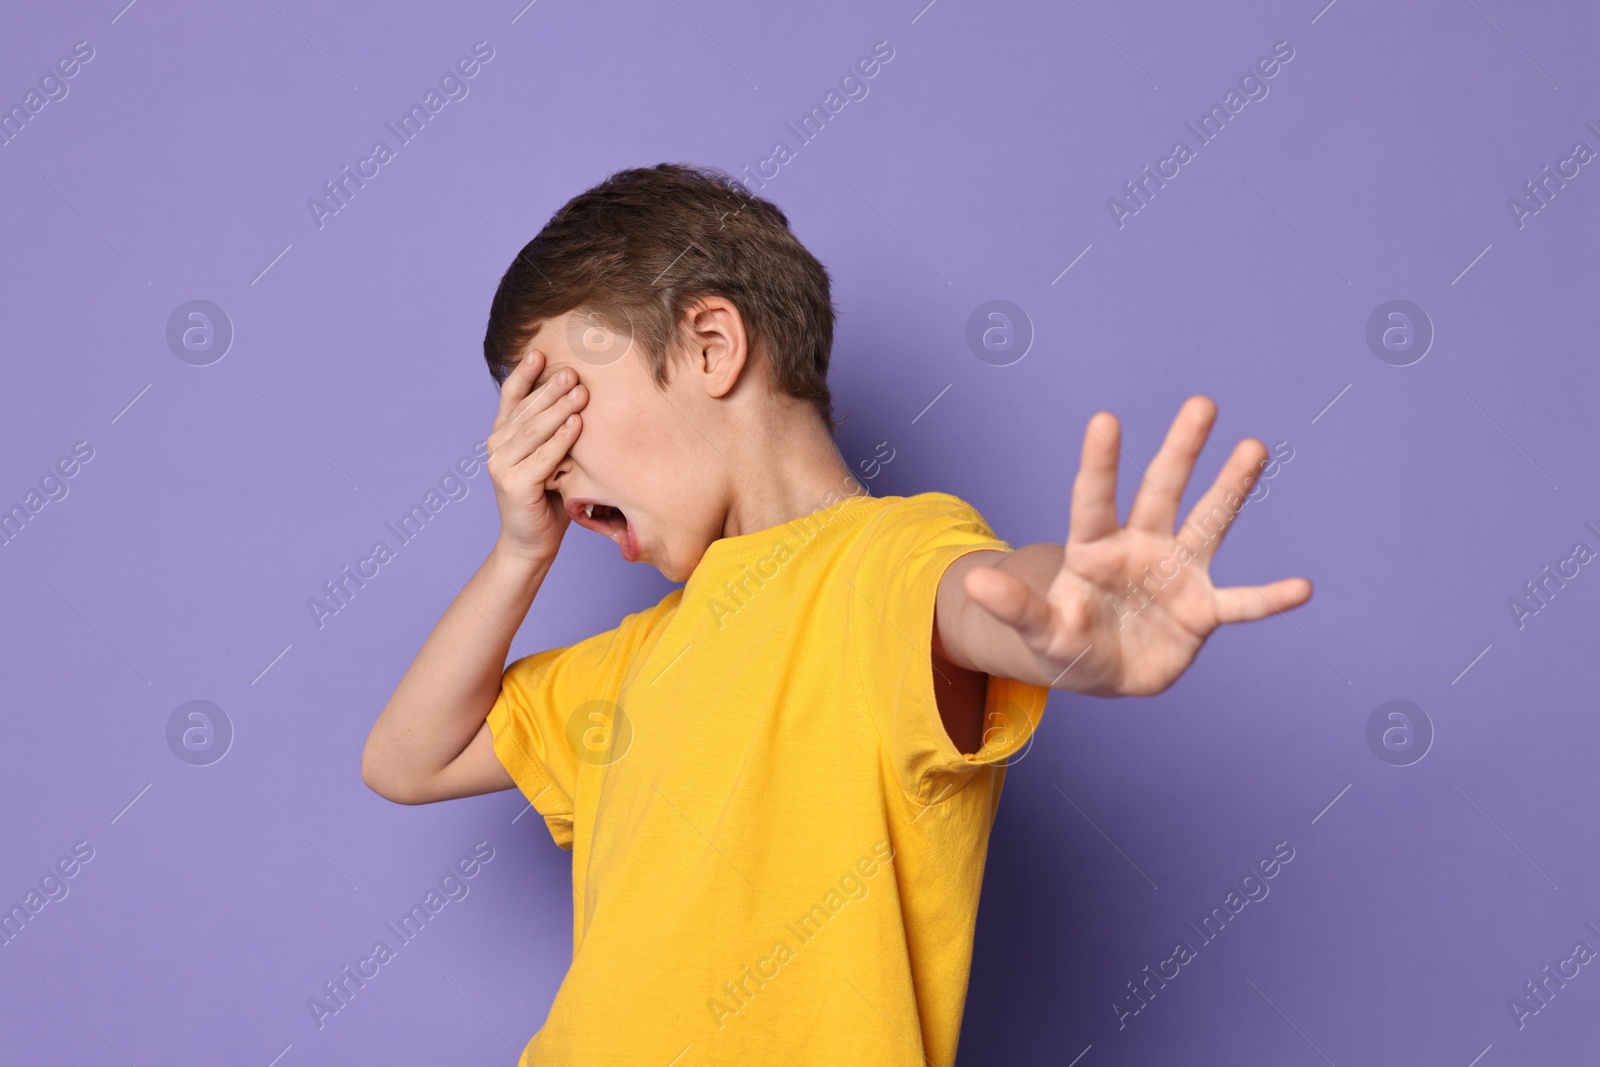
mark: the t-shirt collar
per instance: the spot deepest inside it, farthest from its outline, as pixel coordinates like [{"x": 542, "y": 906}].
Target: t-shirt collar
[{"x": 843, "y": 510}]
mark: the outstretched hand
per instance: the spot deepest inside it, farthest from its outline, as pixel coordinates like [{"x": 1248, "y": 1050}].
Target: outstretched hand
[{"x": 1131, "y": 605}]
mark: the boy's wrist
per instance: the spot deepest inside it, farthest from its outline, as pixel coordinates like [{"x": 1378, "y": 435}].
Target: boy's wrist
[{"x": 515, "y": 561}]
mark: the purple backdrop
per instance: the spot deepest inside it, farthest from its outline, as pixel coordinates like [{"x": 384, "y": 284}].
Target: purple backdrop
[{"x": 1373, "y": 257}]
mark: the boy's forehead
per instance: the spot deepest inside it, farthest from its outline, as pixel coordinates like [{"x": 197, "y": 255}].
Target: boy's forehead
[
  {"x": 549, "y": 338},
  {"x": 575, "y": 338}
]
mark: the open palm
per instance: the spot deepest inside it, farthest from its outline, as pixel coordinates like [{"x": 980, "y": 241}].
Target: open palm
[{"x": 1132, "y": 604}]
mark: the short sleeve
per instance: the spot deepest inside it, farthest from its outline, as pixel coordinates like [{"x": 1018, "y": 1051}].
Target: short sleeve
[
  {"x": 896, "y": 580},
  {"x": 545, "y": 696}
]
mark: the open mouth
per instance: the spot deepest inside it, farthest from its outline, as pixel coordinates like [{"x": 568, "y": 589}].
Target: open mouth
[{"x": 605, "y": 519}]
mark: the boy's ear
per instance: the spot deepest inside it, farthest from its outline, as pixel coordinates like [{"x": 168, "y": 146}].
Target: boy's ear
[{"x": 719, "y": 347}]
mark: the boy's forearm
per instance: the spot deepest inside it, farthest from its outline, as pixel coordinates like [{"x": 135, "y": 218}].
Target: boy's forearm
[{"x": 446, "y": 693}]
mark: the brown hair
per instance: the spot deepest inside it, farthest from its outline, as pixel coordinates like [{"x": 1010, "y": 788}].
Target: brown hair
[{"x": 643, "y": 246}]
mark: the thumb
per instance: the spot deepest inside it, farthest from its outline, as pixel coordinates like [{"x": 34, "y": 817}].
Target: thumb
[{"x": 1012, "y": 602}]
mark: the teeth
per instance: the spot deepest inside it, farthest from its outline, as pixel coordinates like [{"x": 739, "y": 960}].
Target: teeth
[{"x": 588, "y": 511}]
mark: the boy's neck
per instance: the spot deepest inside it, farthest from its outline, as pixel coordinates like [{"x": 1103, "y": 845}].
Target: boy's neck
[{"x": 790, "y": 470}]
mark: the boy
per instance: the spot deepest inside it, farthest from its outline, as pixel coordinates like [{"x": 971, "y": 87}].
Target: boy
[{"x": 777, "y": 784}]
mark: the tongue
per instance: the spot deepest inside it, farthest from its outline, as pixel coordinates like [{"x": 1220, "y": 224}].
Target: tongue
[
  {"x": 611, "y": 522},
  {"x": 614, "y": 524}
]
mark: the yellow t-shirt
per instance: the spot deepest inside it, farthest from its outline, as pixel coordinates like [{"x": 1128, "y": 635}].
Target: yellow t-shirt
[{"x": 776, "y": 848}]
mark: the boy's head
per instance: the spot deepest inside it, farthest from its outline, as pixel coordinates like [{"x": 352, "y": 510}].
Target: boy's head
[{"x": 697, "y": 323}]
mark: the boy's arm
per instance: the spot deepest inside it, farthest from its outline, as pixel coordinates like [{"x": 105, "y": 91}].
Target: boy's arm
[
  {"x": 432, "y": 740},
  {"x": 1117, "y": 610}
]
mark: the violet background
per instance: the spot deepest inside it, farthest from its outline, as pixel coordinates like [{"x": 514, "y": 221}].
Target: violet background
[{"x": 220, "y": 498}]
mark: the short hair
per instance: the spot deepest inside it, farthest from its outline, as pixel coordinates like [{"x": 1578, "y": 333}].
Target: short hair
[{"x": 643, "y": 246}]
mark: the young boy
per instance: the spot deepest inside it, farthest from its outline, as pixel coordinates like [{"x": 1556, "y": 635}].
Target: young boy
[{"x": 777, "y": 784}]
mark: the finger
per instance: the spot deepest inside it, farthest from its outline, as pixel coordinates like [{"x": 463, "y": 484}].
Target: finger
[
  {"x": 1214, "y": 513},
  {"x": 535, "y": 420},
  {"x": 1094, "y": 490},
  {"x": 1245, "y": 603},
  {"x": 545, "y": 452},
  {"x": 1012, "y": 601},
  {"x": 1155, "y": 506},
  {"x": 518, "y": 384},
  {"x": 560, "y": 379}
]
